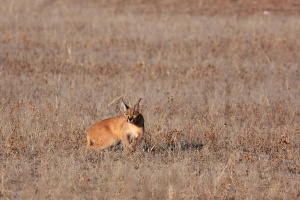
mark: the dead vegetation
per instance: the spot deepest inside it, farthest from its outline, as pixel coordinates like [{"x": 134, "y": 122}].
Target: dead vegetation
[{"x": 220, "y": 99}]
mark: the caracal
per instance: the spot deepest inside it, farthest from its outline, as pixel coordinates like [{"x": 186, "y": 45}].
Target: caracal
[{"x": 127, "y": 127}]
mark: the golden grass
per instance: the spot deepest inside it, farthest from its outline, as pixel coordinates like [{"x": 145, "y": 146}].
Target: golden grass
[{"x": 220, "y": 101}]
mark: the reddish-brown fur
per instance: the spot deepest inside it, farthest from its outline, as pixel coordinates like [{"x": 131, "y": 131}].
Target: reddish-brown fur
[{"x": 110, "y": 131}]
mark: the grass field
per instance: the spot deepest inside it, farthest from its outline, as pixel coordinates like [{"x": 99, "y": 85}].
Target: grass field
[{"x": 221, "y": 99}]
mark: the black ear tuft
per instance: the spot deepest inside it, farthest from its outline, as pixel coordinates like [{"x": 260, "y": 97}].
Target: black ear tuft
[
  {"x": 125, "y": 105},
  {"x": 137, "y": 106}
]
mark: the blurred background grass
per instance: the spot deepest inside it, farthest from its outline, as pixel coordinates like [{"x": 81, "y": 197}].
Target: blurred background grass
[{"x": 220, "y": 87}]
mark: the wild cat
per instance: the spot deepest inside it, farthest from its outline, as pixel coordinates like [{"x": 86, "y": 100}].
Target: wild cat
[{"x": 109, "y": 132}]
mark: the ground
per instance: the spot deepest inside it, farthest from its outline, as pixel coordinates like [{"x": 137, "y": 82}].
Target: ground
[{"x": 219, "y": 82}]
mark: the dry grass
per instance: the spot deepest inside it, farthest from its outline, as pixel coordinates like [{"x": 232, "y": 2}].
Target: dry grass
[{"x": 221, "y": 100}]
